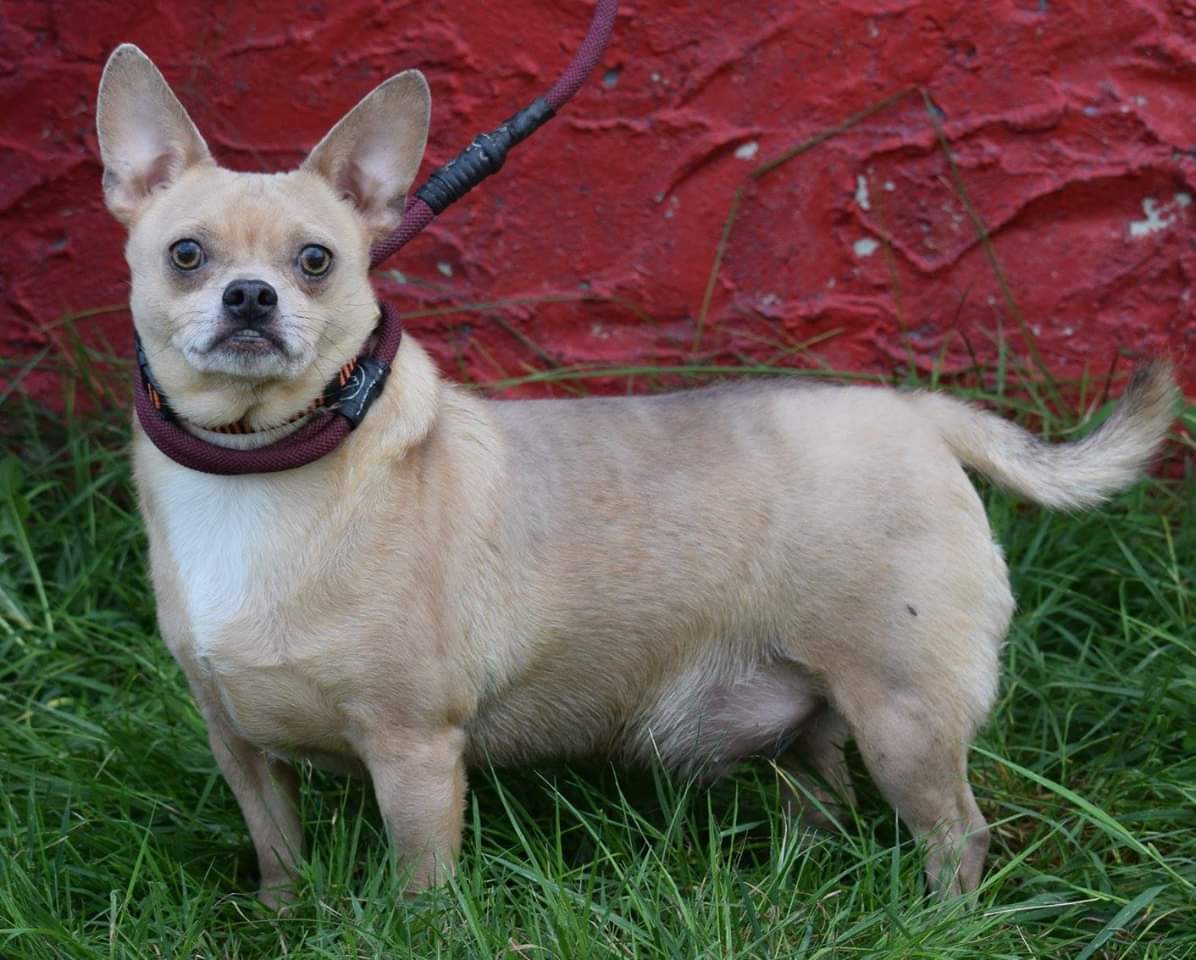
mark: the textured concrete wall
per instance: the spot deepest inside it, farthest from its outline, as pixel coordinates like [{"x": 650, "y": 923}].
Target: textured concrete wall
[{"x": 1072, "y": 125}]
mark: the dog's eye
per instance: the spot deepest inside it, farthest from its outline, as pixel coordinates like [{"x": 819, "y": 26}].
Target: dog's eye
[
  {"x": 186, "y": 254},
  {"x": 315, "y": 260}
]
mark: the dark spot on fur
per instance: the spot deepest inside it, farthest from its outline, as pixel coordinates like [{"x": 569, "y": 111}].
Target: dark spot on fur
[{"x": 912, "y": 611}]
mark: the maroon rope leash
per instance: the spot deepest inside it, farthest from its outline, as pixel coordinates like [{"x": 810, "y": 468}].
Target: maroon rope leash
[
  {"x": 488, "y": 151},
  {"x": 587, "y": 56},
  {"x": 417, "y": 216},
  {"x": 344, "y": 404}
]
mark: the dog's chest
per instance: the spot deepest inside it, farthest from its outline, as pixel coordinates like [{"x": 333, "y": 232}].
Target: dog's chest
[
  {"x": 230, "y": 538},
  {"x": 242, "y": 546}
]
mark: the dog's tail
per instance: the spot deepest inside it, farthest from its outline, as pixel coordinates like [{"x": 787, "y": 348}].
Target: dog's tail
[{"x": 1064, "y": 475}]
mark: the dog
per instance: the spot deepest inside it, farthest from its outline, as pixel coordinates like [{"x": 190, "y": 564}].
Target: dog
[{"x": 692, "y": 578}]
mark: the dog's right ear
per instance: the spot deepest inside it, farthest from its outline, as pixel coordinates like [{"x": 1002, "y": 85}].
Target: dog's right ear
[{"x": 146, "y": 138}]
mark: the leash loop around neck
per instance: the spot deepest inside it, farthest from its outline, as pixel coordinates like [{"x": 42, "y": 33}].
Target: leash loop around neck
[{"x": 343, "y": 404}]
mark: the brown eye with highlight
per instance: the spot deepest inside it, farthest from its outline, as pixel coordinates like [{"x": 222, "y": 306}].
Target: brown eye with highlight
[
  {"x": 186, "y": 254},
  {"x": 314, "y": 260}
]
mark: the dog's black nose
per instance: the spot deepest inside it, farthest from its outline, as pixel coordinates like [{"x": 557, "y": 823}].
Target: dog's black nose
[{"x": 250, "y": 302}]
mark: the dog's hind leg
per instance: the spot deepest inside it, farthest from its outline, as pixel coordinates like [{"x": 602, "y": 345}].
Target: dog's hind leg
[
  {"x": 918, "y": 758},
  {"x": 818, "y": 769}
]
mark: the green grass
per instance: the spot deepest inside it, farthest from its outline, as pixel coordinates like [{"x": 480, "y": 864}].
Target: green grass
[{"x": 118, "y": 837}]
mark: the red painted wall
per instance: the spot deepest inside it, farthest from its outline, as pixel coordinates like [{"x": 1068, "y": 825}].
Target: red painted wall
[{"x": 1073, "y": 126}]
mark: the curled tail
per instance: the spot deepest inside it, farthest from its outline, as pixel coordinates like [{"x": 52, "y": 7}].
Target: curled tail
[{"x": 1063, "y": 475}]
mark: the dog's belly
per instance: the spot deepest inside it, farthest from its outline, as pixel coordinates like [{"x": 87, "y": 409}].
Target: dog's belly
[
  {"x": 704, "y": 725},
  {"x": 700, "y": 721}
]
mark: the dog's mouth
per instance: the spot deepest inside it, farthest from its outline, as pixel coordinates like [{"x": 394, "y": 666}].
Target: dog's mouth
[
  {"x": 278, "y": 349},
  {"x": 249, "y": 342},
  {"x": 248, "y": 352}
]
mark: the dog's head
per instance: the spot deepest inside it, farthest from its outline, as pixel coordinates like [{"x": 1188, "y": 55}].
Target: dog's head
[{"x": 250, "y": 290}]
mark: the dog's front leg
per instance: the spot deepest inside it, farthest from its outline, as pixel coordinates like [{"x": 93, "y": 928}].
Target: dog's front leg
[
  {"x": 419, "y": 779},
  {"x": 268, "y": 792},
  {"x": 266, "y": 788}
]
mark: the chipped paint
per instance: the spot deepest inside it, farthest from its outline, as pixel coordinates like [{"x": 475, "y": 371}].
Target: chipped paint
[
  {"x": 1154, "y": 219},
  {"x": 1060, "y": 118},
  {"x": 1158, "y": 218},
  {"x": 747, "y": 150},
  {"x": 861, "y": 192}
]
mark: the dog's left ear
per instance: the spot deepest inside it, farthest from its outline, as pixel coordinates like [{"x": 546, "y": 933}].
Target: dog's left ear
[{"x": 372, "y": 155}]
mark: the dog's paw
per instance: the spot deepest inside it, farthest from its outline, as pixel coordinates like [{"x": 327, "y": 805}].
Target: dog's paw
[
  {"x": 814, "y": 806},
  {"x": 277, "y": 898}
]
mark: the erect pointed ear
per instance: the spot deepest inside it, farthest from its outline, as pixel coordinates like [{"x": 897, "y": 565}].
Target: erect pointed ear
[
  {"x": 372, "y": 155},
  {"x": 146, "y": 138}
]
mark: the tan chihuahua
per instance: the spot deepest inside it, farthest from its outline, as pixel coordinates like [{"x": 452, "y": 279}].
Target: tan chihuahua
[{"x": 697, "y": 577}]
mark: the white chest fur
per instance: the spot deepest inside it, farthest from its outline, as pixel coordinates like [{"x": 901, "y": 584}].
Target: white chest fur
[{"x": 232, "y": 540}]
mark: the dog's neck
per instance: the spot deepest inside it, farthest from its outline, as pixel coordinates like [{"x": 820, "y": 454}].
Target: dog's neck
[
  {"x": 239, "y": 434},
  {"x": 313, "y": 432},
  {"x": 405, "y": 416},
  {"x": 247, "y": 439}
]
